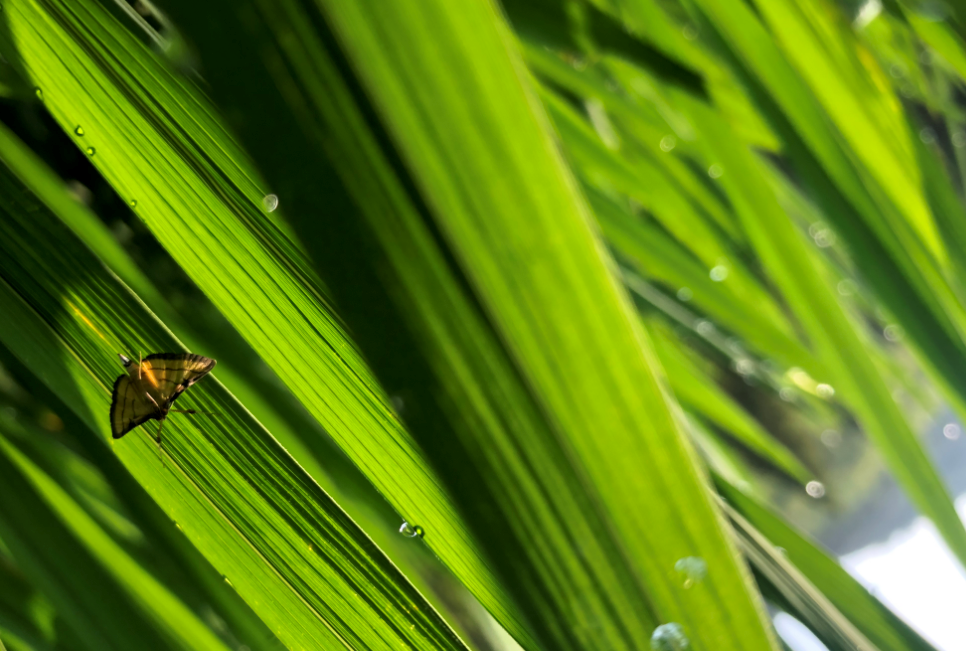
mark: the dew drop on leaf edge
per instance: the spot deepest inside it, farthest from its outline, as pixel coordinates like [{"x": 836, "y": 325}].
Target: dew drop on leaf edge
[
  {"x": 79, "y": 130},
  {"x": 270, "y": 202},
  {"x": 90, "y": 151},
  {"x": 669, "y": 637},
  {"x": 693, "y": 569}
]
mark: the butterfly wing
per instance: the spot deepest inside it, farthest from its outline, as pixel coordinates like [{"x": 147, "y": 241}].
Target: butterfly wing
[
  {"x": 129, "y": 406},
  {"x": 169, "y": 374}
]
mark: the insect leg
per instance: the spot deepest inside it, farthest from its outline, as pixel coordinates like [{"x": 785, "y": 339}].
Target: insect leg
[
  {"x": 158, "y": 440},
  {"x": 193, "y": 411}
]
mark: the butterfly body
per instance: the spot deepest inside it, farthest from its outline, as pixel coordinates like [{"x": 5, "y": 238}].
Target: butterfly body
[{"x": 150, "y": 387}]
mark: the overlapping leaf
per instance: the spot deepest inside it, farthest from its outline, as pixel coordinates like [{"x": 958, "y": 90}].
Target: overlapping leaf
[
  {"x": 538, "y": 456},
  {"x": 237, "y": 495},
  {"x": 162, "y": 147}
]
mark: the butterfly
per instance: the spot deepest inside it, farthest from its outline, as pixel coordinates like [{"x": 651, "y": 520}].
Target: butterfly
[{"x": 150, "y": 388}]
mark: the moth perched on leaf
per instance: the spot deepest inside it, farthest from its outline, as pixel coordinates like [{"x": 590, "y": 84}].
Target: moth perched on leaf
[{"x": 150, "y": 388}]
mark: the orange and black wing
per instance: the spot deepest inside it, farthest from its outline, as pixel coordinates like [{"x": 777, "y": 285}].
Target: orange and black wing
[
  {"x": 129, "y": 407},
  {"x": 172, "y": 373}
]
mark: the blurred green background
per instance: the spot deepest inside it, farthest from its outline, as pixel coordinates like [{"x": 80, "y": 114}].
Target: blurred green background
[{"x": 549, "y": 324}]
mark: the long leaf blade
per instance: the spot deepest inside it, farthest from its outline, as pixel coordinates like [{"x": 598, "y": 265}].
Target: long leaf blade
[{"x": 238, "y": 496}]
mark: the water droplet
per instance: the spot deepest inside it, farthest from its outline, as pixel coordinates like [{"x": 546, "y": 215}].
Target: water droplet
[
  {"x": 704, "y": 327},
  {"x": 692, "y": 568},
  {"x": 227, "y": 581},
  {"x": 669, "y": 637},
  {"x": 831, "y": 438},
  {"x": 896, "y": 71},
  {"x": 411, "y": 531},
  {"x": 685, "y": 294},
  {"x": 719, "y": 273},
  {"x": 786, "y": 394},
  {"x": 815, "y": 489},
  {"x": 79, "y": 130},
  {"x": 668, "y": 142},
  {"x": 90, "y": 151},
  {"x": 178, "y": 524},
  {"x": 690, "y": 32},
  {"x": 893, "y": 332},
  {"x": 846, "y": 288},
  {"x": 824, "y": 236},
  {"x": 133, "y": 203},
  {"x": 39, "y": 93},
  {"x": 952, "y": 431},
  {"x": 715, "y": 171},
  {"x": 744, "y": 366},
  {"x": 825, "y": 390},
  {"x": 959, "y": 138},
  {"x": 927, "y": 135},
  {"x": 270, "y": 202}
]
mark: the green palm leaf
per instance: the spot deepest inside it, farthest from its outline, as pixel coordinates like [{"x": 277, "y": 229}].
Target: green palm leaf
[{"x": 237, "y": 495}]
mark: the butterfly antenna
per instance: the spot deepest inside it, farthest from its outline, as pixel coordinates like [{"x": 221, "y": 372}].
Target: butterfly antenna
[{"x": 194, "y": 411}]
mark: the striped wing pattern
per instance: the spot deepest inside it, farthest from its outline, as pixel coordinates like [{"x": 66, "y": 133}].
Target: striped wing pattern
[
  {"x": 129, "y": 407},
  {"x": 139, "y": 397}
]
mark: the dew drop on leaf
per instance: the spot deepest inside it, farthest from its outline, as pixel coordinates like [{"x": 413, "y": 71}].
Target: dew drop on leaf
[
  {"x": 133, "y": 203},
  {"x": 411, "y": 531},
  {"x": 270, "y": 202},
  {"x": 893, "y": 332},
  {"x": 79, "y": 130},
  {"x": 825, "y": 390},
  {"x": 815, "y": 489},
  {"x": 39, "y": 93},
  {"x": 90, "y": 151},
  {"x": 692, "y": 569},
  {"x": 669, "y": 637},
  {"x": 704, "y": 327}
]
